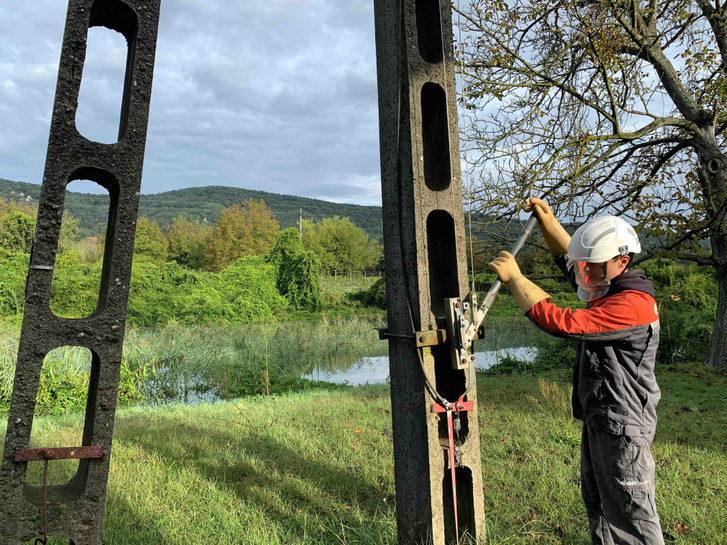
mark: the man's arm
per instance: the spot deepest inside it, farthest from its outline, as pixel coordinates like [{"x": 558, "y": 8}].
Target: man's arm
[{"x": 610, "y": 320}]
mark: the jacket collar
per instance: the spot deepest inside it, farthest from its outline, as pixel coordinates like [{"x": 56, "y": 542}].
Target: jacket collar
[{"x": 632, "y": 279}]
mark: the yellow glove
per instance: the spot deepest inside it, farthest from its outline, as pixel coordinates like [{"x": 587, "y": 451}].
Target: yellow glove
[
  {"x": 556, "y": 237},
  {"x": 526, "y": 294},
  {"x": 506, "y": 267}
]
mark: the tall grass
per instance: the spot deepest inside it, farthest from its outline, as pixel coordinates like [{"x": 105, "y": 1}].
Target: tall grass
[
  {"x": 234, "y": 360},
  {"x": 198, "y": 363},
  {"x": 9, "y": 336}
]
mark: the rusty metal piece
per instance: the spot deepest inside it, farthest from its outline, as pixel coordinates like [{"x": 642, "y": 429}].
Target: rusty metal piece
[
  {"x": 75, "y": 509},
  {"x": 432, "y": 337},
  {"x": 45, "y": 504},
  {"x": 58, "y": 453}
]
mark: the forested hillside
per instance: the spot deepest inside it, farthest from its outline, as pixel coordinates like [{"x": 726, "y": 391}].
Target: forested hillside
[{"x": 199, "y": 204}]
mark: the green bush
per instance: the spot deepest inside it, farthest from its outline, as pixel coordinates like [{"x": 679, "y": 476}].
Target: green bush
[
  {"x": 243, "y": 292},
  {"x": 700, "y": 291},
  {"x": 375, "y": 296},
  {"x": 297, "y": 271},
  {"x": 663, "y": 272},
  {"x": 13, "y": 274},
  {"x": 507, "y": 365},
  {"x": 75, "y": 287},
  {"x": 554, "y": 353},
  {"x": 685, "y": 336},
  {"x": 687, "y": 298},
  {"x": 16, "y": 231}
]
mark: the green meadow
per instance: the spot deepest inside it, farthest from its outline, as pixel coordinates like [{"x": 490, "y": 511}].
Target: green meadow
[{"x": 317, "y": 467}]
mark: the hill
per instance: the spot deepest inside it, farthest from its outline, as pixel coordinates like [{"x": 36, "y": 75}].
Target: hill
[{"x": 201, "y": 203}]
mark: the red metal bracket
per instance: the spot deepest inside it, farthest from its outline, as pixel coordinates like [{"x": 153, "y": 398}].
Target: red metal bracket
[
  {"x": 60, "y": 453},
  {"x": 456, "y": 406}
]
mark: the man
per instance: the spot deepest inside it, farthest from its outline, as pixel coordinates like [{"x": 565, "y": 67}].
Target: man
[{"x": 614, "y": 389}]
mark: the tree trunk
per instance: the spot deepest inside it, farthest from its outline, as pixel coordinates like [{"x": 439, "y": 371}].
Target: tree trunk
[
  {"x": 718, "y": 349},
  {"x": 714, "y": 168}
]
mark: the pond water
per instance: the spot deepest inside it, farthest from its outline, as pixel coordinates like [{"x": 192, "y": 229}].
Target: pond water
[
  {"x": 195, "y": 364},
  {"x": 375, "y": 370}
]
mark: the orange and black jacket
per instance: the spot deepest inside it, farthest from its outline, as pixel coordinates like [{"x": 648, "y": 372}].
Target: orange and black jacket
[{"x": 614, "y": 387}]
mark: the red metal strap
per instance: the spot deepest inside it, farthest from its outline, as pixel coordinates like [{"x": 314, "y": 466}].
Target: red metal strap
[
  {"x": 60, "y": 453},
  {"x": 450, "y": 432},
  {"x": 456, "y": 406}
]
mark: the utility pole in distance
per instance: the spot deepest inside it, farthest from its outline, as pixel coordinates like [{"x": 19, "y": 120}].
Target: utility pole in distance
[{"x": 438, "y": 478}]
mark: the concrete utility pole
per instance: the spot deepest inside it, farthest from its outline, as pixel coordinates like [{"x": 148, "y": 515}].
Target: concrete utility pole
[
  {"x": 74, "y": 510},
  {"x": 424, "y": 242}
]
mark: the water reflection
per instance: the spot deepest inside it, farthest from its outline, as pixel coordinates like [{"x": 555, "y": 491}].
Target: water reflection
[
  {"x": 194, "y": 364},
  {"x": 375, "y": 370}
]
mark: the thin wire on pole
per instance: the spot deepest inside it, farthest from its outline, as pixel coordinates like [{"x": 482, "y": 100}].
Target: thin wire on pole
[{"x": 465, "y": 171}]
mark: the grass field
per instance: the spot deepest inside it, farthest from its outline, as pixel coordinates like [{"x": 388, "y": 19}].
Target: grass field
[{"x": 317, "y": 468}]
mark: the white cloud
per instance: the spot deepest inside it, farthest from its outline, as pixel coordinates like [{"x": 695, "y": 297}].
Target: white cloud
[{"x": 278, "y": 95}]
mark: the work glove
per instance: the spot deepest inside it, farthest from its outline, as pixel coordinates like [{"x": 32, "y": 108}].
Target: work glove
[
  {"x": 526, "y": 294},
  {"x": 556, "y": 237}
]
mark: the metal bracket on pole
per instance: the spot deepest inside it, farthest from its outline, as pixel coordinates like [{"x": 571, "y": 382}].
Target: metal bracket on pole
[{"x": 457, "y": 324}]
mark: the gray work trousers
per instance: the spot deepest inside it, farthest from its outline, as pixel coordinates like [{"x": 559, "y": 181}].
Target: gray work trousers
[{"x": 617, "y": 484}]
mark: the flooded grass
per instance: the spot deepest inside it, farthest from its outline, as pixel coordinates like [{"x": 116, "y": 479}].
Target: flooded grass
[
  {"x": 205, "y": 363},
  {"x": 194, "y": 364}
]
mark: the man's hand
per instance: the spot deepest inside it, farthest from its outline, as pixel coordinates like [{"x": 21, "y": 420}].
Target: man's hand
[
  {"x": 541, "y": 208},
  {"x": 506, "y": 267},
  {"x": 555, "y": 236},
  {"x": 526, "y": 294}
]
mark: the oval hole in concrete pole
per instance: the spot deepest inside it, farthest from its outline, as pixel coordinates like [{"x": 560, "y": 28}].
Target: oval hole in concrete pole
[
  {"x": 435, "y": 138},
  {"x": 101, "y": 94},
  {"x": 63, "y": 389},
  {"x": 465, "y": 508},
  {"x": 104, "y": 206},
  {"x": 442, "y": 254},
  {"x": 79, "y": 259},
  {"x": 429, "y": 30}
]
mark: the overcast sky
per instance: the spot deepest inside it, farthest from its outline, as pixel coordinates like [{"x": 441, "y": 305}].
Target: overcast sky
[{"x": 277, "y": 95}]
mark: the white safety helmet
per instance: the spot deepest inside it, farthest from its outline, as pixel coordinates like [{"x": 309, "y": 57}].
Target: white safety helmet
[{"x": 603, "y": 238}]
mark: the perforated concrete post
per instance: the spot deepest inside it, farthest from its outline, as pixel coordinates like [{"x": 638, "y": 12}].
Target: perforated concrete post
[
  {"x": 75, "y": 509},
  {"x": 424, "y": 243}
]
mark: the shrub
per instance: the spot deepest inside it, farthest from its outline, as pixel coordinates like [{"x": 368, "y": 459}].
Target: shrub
[
  {"x": 685, "y": 336},
  {"x": 375, "y": 296},
  {"x": 244, "y": 292},
  {"x": 297, "y": 271},
  {"x": 13, "y": 274}
]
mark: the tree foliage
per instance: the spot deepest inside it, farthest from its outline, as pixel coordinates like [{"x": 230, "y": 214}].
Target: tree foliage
[
  {"x": 298, "y": 270},
  {"x": 187, "y": 241},
  {"x": 340, "y": 244},
  {"x": 249, "y": 229},
  {"x": 16, "y": 231},
  {"x": 150, "y": 242},
  {"x": 604, "y": 106}
]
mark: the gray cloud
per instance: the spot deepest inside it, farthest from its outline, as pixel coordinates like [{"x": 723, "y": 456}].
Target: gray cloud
[{"x": 278, "y": 95}]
